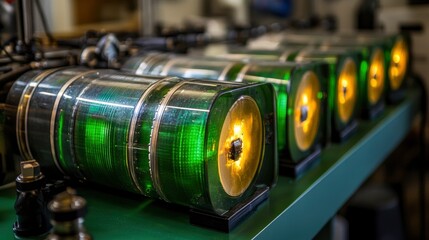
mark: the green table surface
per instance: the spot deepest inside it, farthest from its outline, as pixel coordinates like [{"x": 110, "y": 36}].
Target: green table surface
[{"x": 296, "y": 208}]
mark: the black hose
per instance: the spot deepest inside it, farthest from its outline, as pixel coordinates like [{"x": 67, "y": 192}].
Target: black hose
[{"x": 14, "y": 74}]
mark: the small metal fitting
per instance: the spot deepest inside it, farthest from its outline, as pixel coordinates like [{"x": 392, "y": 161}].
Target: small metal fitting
[{"x": 30, "y": 170}]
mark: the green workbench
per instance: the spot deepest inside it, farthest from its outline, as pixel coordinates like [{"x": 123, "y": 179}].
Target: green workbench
[{"x": 296, "y": 209}]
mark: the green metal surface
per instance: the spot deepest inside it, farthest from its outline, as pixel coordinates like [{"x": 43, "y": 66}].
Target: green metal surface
[{"x": 296, "y": 209}]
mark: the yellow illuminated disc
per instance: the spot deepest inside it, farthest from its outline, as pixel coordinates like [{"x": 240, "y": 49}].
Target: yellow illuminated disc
[
  {"x": 398, "y": 63},
  {"x": 307, "y": 111},
  {"x": 347, "y": 90},
  {"x": 240, "y": 146},
  {"x": 376, "y": 77}
]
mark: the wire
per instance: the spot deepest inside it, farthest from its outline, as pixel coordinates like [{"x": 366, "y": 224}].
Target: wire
[
  {"x": 7, "y": 53},
  {"x": 7, "y": 185},
  {"x": 3, "y": 49},
  {"x": 44, "y": 22},
  {"x": 12, "y": 59}
]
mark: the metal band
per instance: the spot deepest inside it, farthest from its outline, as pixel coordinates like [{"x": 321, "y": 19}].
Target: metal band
[
  {"x": 132, "y": 128},
  {"x": 242, "y": 73},
  {"x": 300, "y": 55},
  {"x": 168, "y": 66},
  {"x": 225, "y": 71},
  {"x": 284, "y": 56},
  {"x": 155, "y": 59},
  {"x": 54, "y": 114},
  {"x": 22, "y": 114},
  {"x": 206, "y": 83},
  {"x": 154, "y": 138},
  {"x": 145, "y": 63}
]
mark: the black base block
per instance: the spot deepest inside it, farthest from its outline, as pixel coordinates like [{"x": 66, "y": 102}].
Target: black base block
[
  {"x": 295, "y": 169},
  {"x": 395, "y": 97},
  {"x": 373, "y": 112},
  {"x": 233, "y": 217},
  {"x": 340, "y": 136}
]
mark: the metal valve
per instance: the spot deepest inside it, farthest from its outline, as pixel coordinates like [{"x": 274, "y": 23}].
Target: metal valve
[{"x": 30, "y": 206}]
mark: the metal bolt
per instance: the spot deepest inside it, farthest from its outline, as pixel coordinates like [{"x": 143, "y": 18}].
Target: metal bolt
[
  {"x": 30, "y": 170},
  {"x": 304, "y": 113},
  {"x": 345, "y": 91},
  {"x": 236, "y": 149}
]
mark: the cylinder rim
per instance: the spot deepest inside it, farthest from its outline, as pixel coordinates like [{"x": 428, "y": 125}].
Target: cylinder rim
[
  {"x": 243, "y": 122},
  {"x": 398, "y": 63},
  {"x": 307, "y": 111},
  {"x": 376, "y": 77},
  {"x": 347, "y": 90}
]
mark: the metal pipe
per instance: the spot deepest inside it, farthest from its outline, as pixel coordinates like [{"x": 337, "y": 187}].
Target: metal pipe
[
  {"x": 28, "y": 21},
  {"x": 14, "y": 74},
  {"x": 24, "y": 18},
  {"x": 146, "y": 17}
]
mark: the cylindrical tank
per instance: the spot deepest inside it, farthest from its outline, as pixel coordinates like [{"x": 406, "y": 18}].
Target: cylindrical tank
[
  {"x": 299, "y": 122},
  {"x": 342, "y": 86},
  {"x": 397, "y": 52},
  {"x": 197, "y": 143},
  {"x": 395, "y": 49}
]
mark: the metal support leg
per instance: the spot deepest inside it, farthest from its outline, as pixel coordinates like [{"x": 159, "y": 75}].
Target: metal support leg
[{"x": 24, "y": 20}]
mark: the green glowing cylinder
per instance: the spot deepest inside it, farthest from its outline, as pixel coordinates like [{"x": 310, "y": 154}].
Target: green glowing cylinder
[
  {"x": 342, "y": 86},
  {"x": 285, "y": 77},
  {"x": 396, "y": 49},
  {"x": 160, "y": 137},
  {"x": 371, "y": 58}
]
